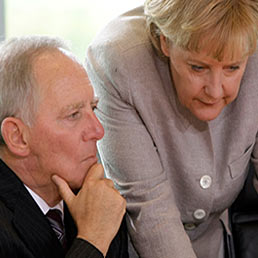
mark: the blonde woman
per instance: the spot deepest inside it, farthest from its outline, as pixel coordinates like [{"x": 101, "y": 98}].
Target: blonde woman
[{"x": 178, "y": 88}]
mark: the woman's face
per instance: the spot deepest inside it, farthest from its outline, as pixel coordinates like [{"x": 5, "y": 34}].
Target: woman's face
[{"x": 203, "y": 84}]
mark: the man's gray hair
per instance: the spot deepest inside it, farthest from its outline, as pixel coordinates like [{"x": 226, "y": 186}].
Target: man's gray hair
[{"x": 18, "y": 94}]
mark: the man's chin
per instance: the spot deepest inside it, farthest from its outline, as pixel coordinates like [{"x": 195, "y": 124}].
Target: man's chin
[
  {"x": 76, "y": 187},
  {"x": 76, "y": 191}
]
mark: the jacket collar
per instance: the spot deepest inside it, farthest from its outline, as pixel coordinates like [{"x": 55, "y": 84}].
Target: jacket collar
[{"x": 28, "y": 220}]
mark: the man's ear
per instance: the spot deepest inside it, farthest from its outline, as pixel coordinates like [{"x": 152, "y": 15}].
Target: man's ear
[
  {"x": 164, "y": 44},
  {"x": 14, "y": 133}
]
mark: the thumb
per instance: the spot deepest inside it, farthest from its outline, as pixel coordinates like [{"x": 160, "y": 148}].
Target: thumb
[
  {"x": 64, "y": 189},
  {"x": 95, "y": 172}
]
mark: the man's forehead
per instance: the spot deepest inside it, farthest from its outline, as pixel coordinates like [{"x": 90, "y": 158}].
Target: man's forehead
[
  {"x": 52, "y": 57},
  {"x": 53, "y": 64}
]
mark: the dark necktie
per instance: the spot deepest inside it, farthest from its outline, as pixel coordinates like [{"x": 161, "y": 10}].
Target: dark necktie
[{"x": 55, "y": 218}]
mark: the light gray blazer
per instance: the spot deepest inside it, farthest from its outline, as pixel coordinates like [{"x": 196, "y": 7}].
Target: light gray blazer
[{"x": 177, "y": 173}]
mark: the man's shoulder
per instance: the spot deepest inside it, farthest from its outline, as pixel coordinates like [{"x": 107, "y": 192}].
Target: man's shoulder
[{"x": 119, "y": 246}]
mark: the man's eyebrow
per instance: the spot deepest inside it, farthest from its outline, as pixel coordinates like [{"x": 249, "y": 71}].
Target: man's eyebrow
[
  {"x": 68, "y": 108},
  {"x": 95, "y": 100}
]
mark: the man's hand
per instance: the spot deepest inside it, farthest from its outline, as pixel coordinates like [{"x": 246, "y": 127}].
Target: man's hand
[{"x": 97, "y": 209}]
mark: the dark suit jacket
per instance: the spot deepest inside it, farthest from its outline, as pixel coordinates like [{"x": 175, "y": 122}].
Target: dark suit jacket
[
  {"x": 244, "y": 220},
  {"x": 25, "y": 232}
]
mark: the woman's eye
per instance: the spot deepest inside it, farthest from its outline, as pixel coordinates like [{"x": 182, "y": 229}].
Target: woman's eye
[
  {"x": 197, "y": 68},
  {"x": 234, "y": 68}
]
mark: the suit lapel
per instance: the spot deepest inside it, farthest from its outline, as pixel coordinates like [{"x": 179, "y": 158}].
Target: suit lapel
[
  {"x": 34, "y": 228},
  {"x": 28, "y": 220},
  {"x": 70, "y": 227}
]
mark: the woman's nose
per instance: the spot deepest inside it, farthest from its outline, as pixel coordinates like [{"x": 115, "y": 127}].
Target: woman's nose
[{"x": 214, "y": 87}]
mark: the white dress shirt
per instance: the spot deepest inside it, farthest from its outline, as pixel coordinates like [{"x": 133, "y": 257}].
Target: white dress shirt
[{"x": 43, "y": 205}]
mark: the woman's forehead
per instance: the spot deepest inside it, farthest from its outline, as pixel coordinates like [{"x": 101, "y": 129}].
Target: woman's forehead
[{"x": 220, "y": 50}]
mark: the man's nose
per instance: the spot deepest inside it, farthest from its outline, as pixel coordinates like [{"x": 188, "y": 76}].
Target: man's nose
[{"x": 93, "y": 129}]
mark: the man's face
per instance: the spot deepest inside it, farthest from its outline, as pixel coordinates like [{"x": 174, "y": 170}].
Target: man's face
[
  {"x": 63, "y": 136},
  {"x": 203, "y": 84}
]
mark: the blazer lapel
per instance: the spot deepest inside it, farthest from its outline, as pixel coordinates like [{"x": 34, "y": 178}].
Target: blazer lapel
[
  {"x": 34, "y": 228},
  {"x": 70, "y": 227},
  {"x": 28, "y": 220}
]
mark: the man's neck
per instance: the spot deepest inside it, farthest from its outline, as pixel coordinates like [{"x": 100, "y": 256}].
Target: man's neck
[
  {"x": 27, "y": 172},
  {"x": 42, "y": 204}
]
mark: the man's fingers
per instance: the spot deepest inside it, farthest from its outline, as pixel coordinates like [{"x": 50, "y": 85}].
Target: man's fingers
[
  {"x": 110, "y": 183},
  {"x": 95, "y": 172},
  {"x": 64, "y": 189}
]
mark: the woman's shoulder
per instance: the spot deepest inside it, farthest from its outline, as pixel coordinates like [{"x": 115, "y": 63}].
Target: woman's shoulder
[
  {"x": 251, "y": 75},
  {"x": 123, "y": 33}
]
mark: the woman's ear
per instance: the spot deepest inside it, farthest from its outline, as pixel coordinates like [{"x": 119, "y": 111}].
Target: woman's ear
[
  {"x": 14, "y": 133},
  {"x": 164, "y": 44}
]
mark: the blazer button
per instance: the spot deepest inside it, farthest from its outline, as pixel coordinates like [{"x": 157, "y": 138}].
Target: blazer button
[
  {"x": 189, "y": 226},
  {"x": 205, "y": 181},
  {"x": 199, "y": 214}
]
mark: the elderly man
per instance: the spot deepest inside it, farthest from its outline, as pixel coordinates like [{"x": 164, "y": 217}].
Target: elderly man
[{"x": 48, "y": 154}]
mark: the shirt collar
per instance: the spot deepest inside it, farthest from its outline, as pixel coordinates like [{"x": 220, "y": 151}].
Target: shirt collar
[{"x": 43, "y": 205}]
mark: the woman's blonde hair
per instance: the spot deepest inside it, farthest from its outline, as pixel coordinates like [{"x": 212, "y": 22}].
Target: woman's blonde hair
[{"x": 222, "y": 26}]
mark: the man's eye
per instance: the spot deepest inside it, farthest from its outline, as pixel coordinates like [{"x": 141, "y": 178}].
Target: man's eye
[
  {"x": 197, "y": 68},
  {"x": 94, "y": 103},
  {"x": 74, "y": 115},
  {"x": 94, "y": 106}
]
